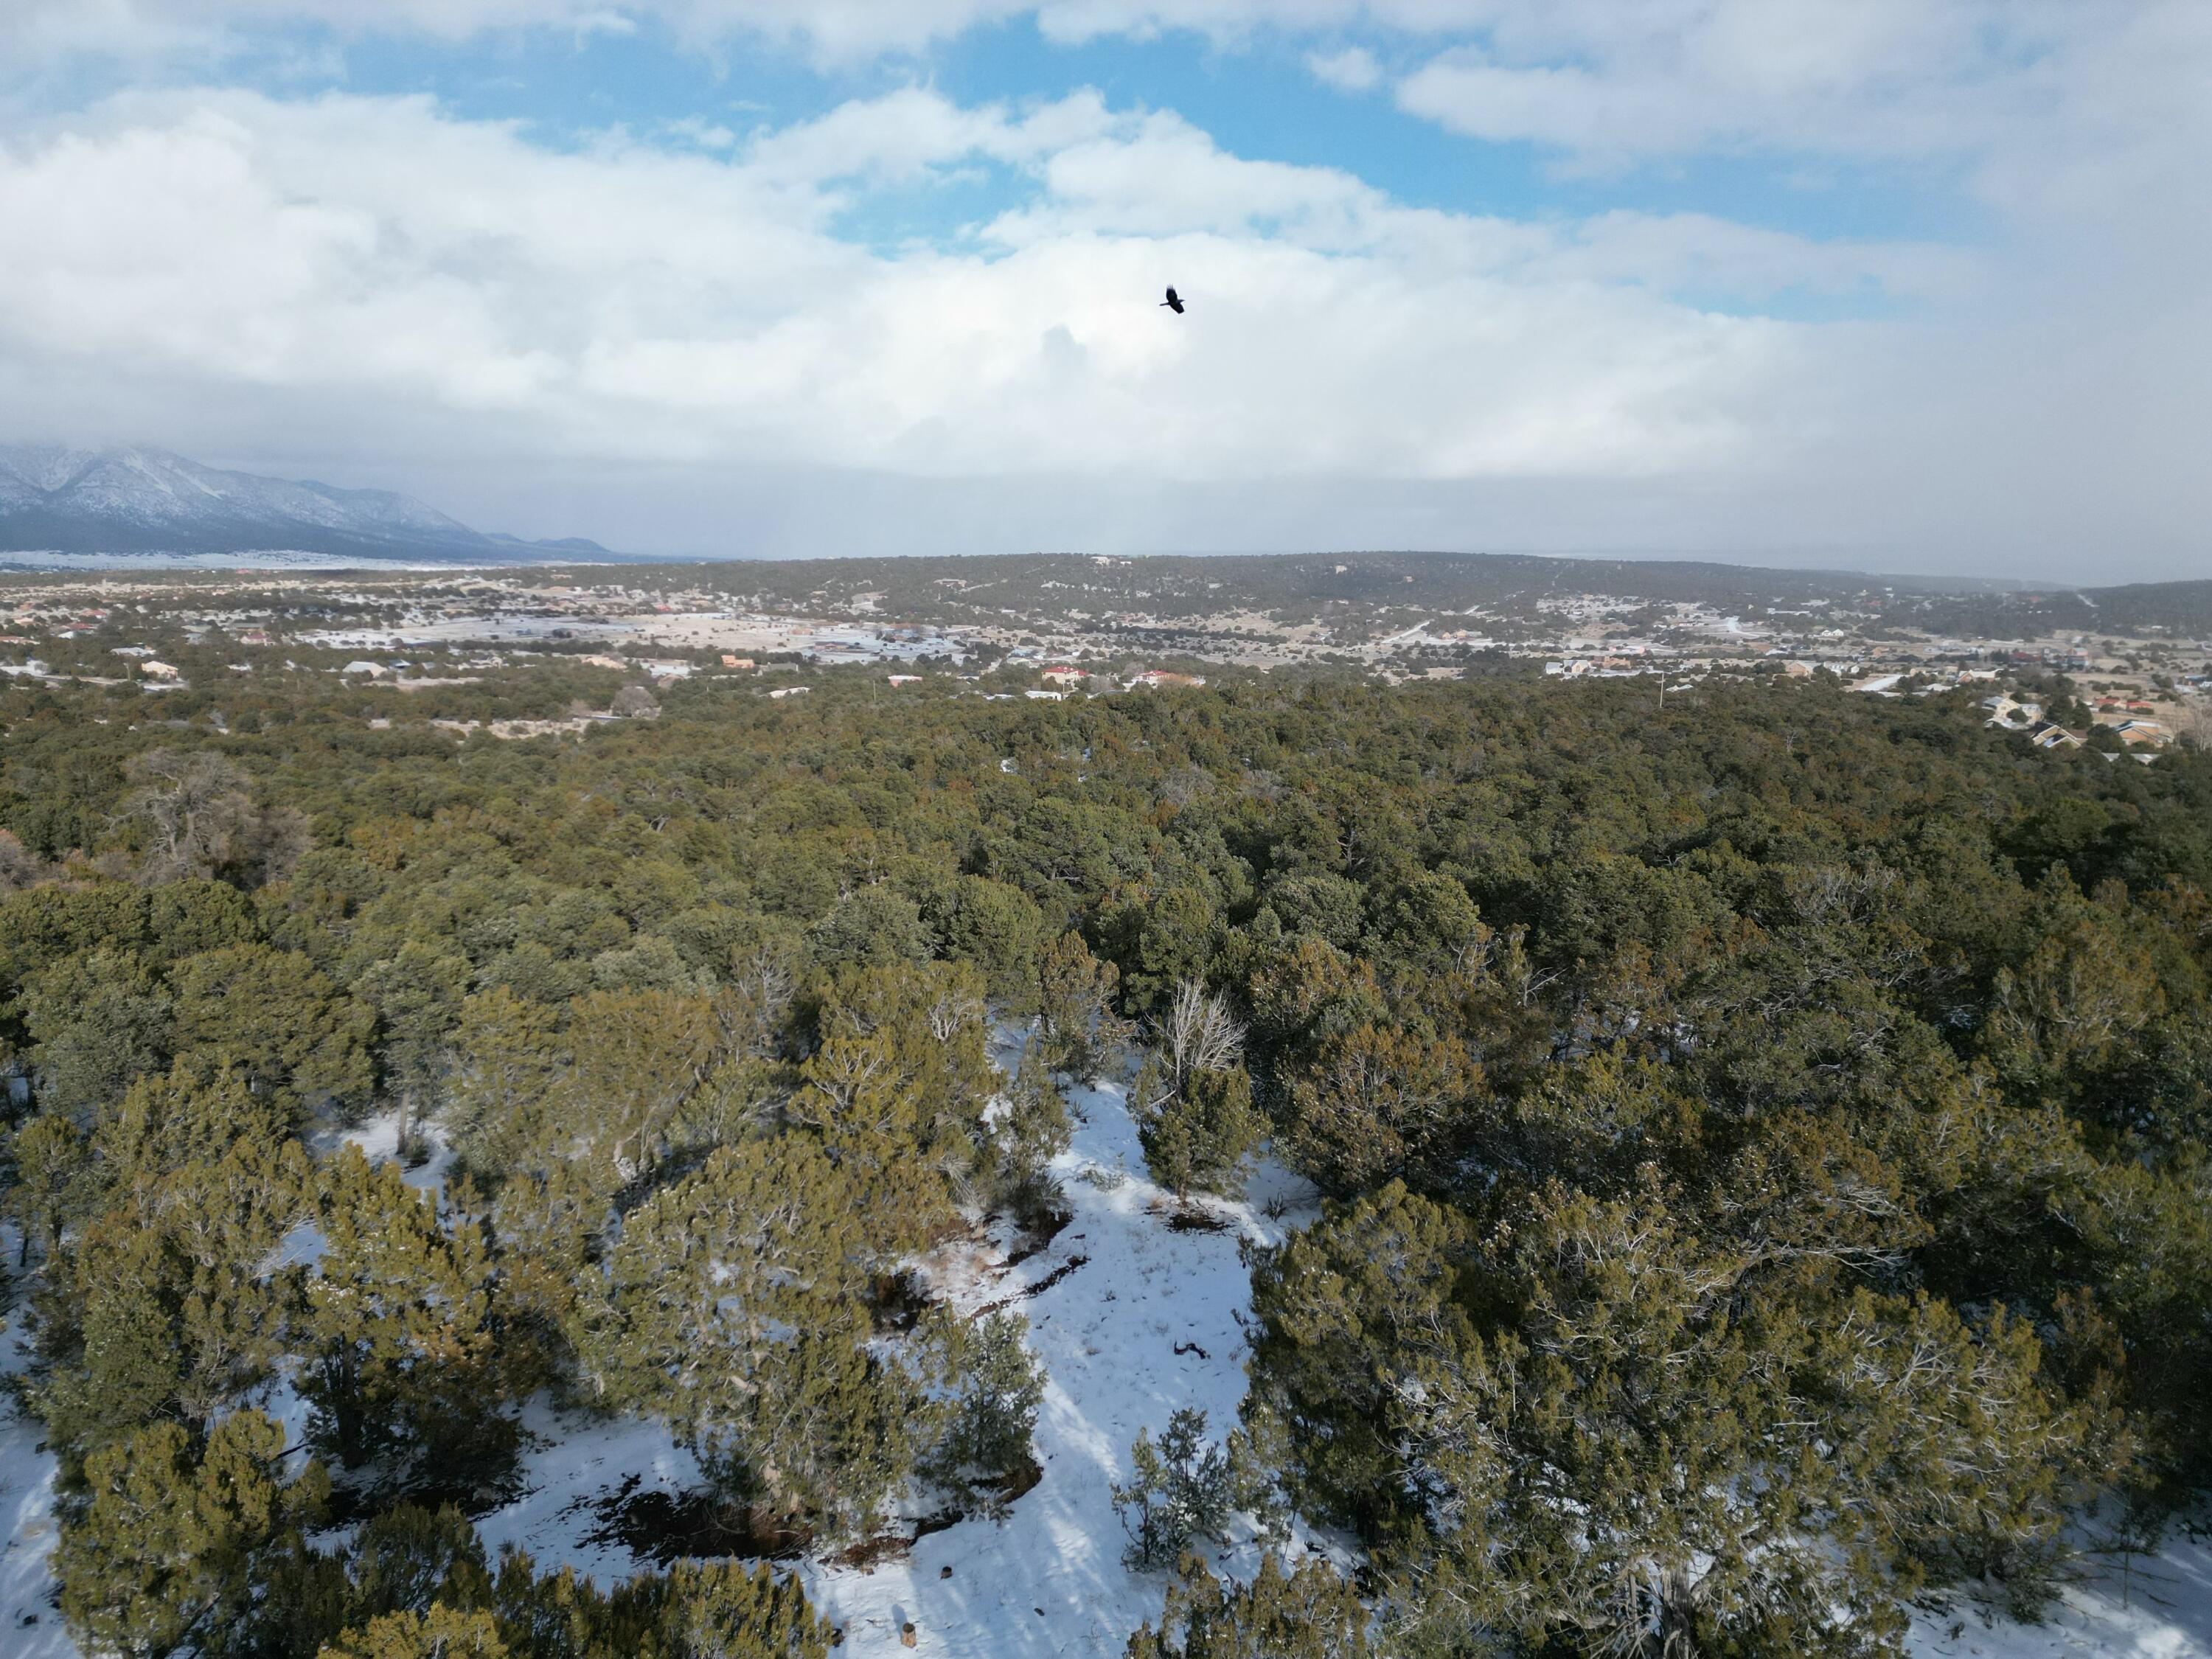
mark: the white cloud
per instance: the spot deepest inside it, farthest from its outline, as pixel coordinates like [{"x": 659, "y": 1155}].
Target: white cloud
[
  {"x": 1353, "y": 69},
  {"x": 632, "y": 301}
]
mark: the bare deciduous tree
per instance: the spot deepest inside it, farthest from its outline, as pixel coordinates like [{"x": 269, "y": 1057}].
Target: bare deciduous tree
[{"x": 192, "y": 805}]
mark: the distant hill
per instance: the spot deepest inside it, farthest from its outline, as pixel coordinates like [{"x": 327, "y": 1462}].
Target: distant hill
[{"x": 140, "y": 501}]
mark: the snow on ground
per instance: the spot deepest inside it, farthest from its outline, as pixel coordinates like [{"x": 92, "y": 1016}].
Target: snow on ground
[
  {"x": 1147, "y": 1324},
  {"x": 2157, "y": 1609},
  {"x": 30, "y": 1628}
]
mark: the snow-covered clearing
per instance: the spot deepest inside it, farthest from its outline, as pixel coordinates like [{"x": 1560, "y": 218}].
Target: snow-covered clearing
[
  {"x": 1145, "y": 1323},
  {"x": 2157, "y": 1608}
]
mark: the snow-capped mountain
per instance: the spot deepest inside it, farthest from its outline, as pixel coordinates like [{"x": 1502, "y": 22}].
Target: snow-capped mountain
[{"x": 146, "y": 500}]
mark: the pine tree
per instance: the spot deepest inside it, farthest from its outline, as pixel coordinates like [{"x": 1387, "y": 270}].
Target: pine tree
[
  {"x": 1076, "y": 1022},
  {"x": 1030, "y": 1128},
  {"x": 1193, "y": 1099},
  {"x": 1181, "y": 1490},
  {"x": 989, "y": 1419}
]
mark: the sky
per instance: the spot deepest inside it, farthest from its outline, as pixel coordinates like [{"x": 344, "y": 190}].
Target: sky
[{"x": 1911, "y": 285}]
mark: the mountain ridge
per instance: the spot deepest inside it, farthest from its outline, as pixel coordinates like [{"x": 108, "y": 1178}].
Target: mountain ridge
[{"x": 130, "y": 499}]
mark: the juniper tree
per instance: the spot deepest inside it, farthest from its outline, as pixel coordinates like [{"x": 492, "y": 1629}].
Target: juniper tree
[
  {"x": 98, "y": 1020},
  {"x": 1377, "y": 1105},
  {"x": 648, "y": 1077},
  {"x": 175, "y": 1535},
  {"x": 1311, "y": 1612},
  {"x": 273, "y": 1018},
  {"x": 173, "y": 1303},
  {"x": 416, "y": 992},
  {"x": 507, "y": 1052},
  {"x": 400, "y": 1339},
  {"x": 898, "y": 1092},
  {"x": 1599, "y": 1430},
  {"x": 732, "y": 1308}
]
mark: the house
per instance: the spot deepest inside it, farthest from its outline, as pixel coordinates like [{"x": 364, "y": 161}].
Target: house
[
  {"x": 729, "y": 661},
  {"x": 157, "y": 671},
  {"x": 2055, "y": 737},
  {"x": 1064, "y": 677},
  {"x": 1046, "y": 696},
  {"x": 902, "y": 679},
  {"x": 2136, "y": 732},
  {"x": 1158, "y": 679},
  {"x": 2009, "y": 715},
  {"x": 364, "y": 666},
  {"x": 789, "y": 690}
]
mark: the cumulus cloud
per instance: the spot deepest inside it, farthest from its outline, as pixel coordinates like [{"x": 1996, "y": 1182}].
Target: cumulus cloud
[{"x": 635, "y": 301}]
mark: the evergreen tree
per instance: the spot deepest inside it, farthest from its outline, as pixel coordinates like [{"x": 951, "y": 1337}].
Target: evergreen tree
[
  {"x": 416, "y": 992},
  {"x": 1308, "y": 1613},
  {"x": 440, "y": 1633},
  {"x": 1030, "y": 1128},
  {"x": 273, "y": 1018},
  {"x": 732, "y": 1307},
  {"x": 1192, "y": 1098},
  {"x": 1660, "y": 1452},
  {"x": 990, "y": 1417},
  {"x": 98, "y": 1020},
  {"x": 1180, "y": 1491},
  {"x": 403, "y": 1367},
  {"x": 174, "y": 1535},
  {"x": 1076, "y": 1022},
  {"x": 507, "y": 1052}
]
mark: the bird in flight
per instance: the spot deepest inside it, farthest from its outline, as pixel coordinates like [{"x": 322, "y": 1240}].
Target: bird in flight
[{"x": 1173, "y": 303}]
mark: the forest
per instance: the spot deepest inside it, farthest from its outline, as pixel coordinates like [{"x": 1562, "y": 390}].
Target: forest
[{"x": 1761, "y": 1142}]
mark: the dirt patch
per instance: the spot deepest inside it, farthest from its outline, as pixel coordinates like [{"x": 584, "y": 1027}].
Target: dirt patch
[
  {"x": 1037, "y": 1289},
  {"x": 898, "y": 1301},
  {"x": 1040, "y": 1231},
  {"x": 1190, "y": 1218},
  {"x": 660, "y": 1526},
  {"x": 870, "y": 1553}
]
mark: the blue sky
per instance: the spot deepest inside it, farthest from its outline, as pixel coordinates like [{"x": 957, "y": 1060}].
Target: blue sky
[
  {"x": 1258, "y": 98},
  {"x": 1900, "y": 281}
]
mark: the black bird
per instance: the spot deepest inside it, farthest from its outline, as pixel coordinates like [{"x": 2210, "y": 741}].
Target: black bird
[{"x": 1173, "y": 303}]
